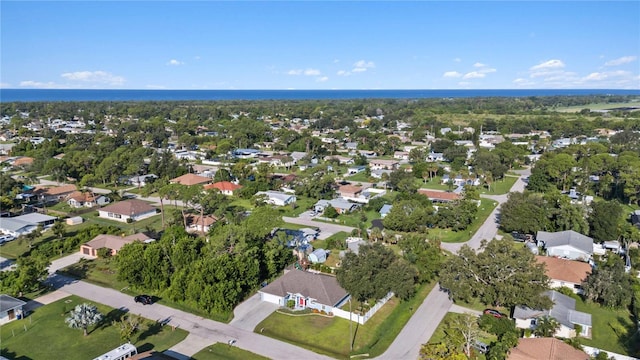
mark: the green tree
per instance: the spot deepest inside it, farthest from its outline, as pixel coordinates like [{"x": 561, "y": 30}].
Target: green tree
[
  {"x": 604, "y": 219},
  {"x": 546, "y": 326},
  {"x": 523, "y": 212},
  {"x": 501, "y": 274},
  {"x": 330, "y": 212},
  {"x": 59, "y": 229},
  {"x": 609, "y": 284},
  {"x": 83, "y": 316}
]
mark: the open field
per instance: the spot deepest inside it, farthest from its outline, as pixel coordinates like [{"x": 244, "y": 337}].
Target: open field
[
  {"x": 44, "y": 334},
  {"x": 598, "y": 106},
  {"x": 330, "y": 336}
]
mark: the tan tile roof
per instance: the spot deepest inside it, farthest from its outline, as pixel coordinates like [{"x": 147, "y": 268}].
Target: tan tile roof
[
  {"x": 350, "y": 189},
  {"x": 82, "y": 196},
  {"x": 23, "y": 160},
  {"x": 565, "y": 270},
  {"x": 190, "y": 179},
  {"x": 196, "y": 220},
  {"x": 114, "y": 242},
  {"x": 129, "y": 207},
  {"x": 545, "y": 349},
  {"x": 439, "y": 195},
  {"x": 223, "y": 186}
]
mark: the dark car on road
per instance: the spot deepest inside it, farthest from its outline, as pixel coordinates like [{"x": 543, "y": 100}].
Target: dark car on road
[
  {"x": 494, "y": 313},
  {"x": 144, "y": 299}
]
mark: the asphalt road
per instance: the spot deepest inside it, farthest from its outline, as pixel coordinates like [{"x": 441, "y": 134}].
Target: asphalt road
[{"x": 326, "y": 229}]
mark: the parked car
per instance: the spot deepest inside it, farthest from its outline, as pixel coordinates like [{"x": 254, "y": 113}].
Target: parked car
[
  {"x": 480, "y": 346},
  {"x": 6, "y": 238},
  {"x": 517, "y": 236},
  {"x": 494, "y": 313},
  {"x": 144, "y": 299}
]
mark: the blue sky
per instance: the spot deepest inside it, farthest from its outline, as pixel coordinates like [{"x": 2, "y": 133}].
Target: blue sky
[{"x": 320, "y": 45}]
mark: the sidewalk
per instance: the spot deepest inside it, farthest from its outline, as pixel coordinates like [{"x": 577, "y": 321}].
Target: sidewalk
[{"x": 45, "y": 300}]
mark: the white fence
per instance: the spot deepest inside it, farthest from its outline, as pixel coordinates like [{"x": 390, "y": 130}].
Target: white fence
[
  {"x": 594, "y": 351},
  {"x": 361, "y": 319}
]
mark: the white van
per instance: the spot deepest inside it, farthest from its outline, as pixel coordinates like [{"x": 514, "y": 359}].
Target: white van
[{"x": 6, "y": 238}]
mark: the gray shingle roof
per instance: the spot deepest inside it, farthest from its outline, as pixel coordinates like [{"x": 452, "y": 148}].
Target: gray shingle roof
[
  {"x": 563, "y": 310},
  {"x": 324, "y": 288},
  {"x": 568, "y": 237},
  {"x": 7, "y": 303}
]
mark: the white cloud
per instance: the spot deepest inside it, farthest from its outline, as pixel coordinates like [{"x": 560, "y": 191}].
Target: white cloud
[
  {"x": 322, "y": 79},
  {"x": 336, "y": 61},
  {"x": 174, "y": 62},
  {"x": 452, "y": 74},
  {"x": 457, "y": 60},
  {"x": 474, "y": 75},
  {"x": 620, "y": 61},
  {"x": 362, "y": 66},
  {"x": 598, "y": 76},
  {"x": 4, "y": 85},
  {"x": 39, "y": 85},
  {"x": 479, "y": 65},
  {"x": 307, "y": 72},
  {"x": 97, "y": 77},
  {"x": 343, "y": 73},
  {"x": 522, "y": 82},
  {"x": 551, "y": 64}
]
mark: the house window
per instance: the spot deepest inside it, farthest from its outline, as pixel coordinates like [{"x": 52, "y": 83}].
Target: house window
[{"x": 534, "y": 322}]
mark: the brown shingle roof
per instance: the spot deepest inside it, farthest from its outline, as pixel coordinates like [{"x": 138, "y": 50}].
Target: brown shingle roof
[
  {"x": 190, "y": 179},
  {"x": 58, "y": 190},
  {"x": 23, "y": 160},
  {"x": 439, "y": 195},
  {"x": 324, "y": 288},
  {"x": 545, "y": 349},
  {"x": 115, "y": 242},
  {"x": 350, "y": 189},
  {"x": 129, "y": 207},
  {"x": 193, "y": 219},
  {"x": 565, "y": 270},
  {"x": 82, "y": 196}
]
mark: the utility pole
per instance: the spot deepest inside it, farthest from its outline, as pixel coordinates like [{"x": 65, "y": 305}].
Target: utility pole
[{"x": 350, "y": 327}]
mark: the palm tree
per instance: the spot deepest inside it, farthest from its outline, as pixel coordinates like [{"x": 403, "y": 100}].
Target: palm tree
[
  {"x": 546, "y": 326},
  {"x": 83, "y": 316}
]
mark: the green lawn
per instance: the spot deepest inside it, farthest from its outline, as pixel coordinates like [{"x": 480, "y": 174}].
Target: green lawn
[
  {"x": 16, "y": 248},
  {"x": 219, "y": 351},
  {"x": 434, "y": 184},
  {"x": 44, "y": 334},
  {"x": 500, "y": 187},
  {"x": 303, "y": 204},
  {"x": 330, "y": 336},
  {"x": 613, "y": 329},
  {"x": 154, "y": 222},
  {"x": 354, "y": 219},
  {"x": 447, "y": 235},
  {"x": 361, "y": 176}
]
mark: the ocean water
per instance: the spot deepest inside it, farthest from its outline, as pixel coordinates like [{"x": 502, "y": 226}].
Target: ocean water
[{"x": 30, "y": 95}]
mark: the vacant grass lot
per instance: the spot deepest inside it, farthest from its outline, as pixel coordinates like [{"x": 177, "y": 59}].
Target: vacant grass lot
[
  {"x": 47, "y": 336},
  {"x": 447, "y": 235},
  {"x": 219, "y": 351},
  {"x": 330, "y": 336},
  {"x": 104, "y": 273},
  {"x": 500, "y": 187}
]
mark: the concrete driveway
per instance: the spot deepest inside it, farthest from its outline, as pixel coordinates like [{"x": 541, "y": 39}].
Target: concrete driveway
[
  {"x": 251, "y": 312},
  {"x": 326, "y": 229}
]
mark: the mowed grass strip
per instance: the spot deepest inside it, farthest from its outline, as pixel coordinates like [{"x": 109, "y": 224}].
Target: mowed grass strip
[
  {"x": 47, "y": 336},
  {"x": 330, "y": 336},
  {"x": 220, "y": 351}
]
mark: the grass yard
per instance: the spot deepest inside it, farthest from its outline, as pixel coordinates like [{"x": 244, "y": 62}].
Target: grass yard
[
  {"x": 16, "y": 248},
  {"x": 220, "y": 351},
  {"x": 597, "y": 106},
  {"x": 500, "y": 187},
  {"x": 447, "y": 235},
  {"x": 354, "y": 219},
  {"x": 613, "y": 329},
  {"x": 361, "y": 176},
  {"x": 434, "y": 184},
  {"x": 303, "y": 204},
  {"x": 154, "y": 222},
  {"x": 48, "y": 337},
  {"x": 330, "y": 336}
]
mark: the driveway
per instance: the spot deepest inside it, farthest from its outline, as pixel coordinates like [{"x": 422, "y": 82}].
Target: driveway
[
  {"x": 326, "y": 229},
  {"x": 251, "y": 312},
  {"x": 66, "y": 261}
]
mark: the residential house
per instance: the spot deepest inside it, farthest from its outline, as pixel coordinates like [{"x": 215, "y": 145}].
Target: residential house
[
  {"x": 366, "y": 153},
  {"x": 343, "y": 160},
  {"x": 353, "y": 245},
  {"x": 113, "y": 242},
  {"x": 458, "y": 180},
  {"x": 277, "y": 198},
  {"x": 198, "y": 224},
  {"x": 377, "y": 174},
  {"x": 381, "y": 164},
  {"x": 435, "y": 157},
  {"x": 10, "y": 308},
  {"x": 401, "y": 155},
  {"x": 352, "y": 170},
  {"x": 437, "y": 196},
  {"x": 566, "y": 244},
  {"x": 78, "y": 199},
  {"x": 341, "y": 205},
  {"x": 245, "y": 153},
  {"x": 351, "y": 146},
  {"x": 128, "y": 210},
  {"x": 384, "y": 210},
  {"x": 190, "y": 180},
  {"x": 142, "y": 180},
  {"x": 563, "y": 272},
  {"x": 545, "y": 349},
  {"x": 350, "y": 191},
  {"x": 225, "y": 187},
  {"x": 306, "y": 290},
  {"x": 563, "y": 310},
  {"x": 299, "y": 155},
  {"x": 56, "y": 193},
  {"x": 24, "y": 224}
]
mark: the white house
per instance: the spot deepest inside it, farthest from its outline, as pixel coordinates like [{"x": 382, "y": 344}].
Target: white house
[
  {"x": 433, "y": 157},
  {"x": 566, "y": 244},
  {"x": 24, "y": 224},
  {"x": 79, "y": 199},
  {"x": 10, "y": 308},
  {"x": 382, "y": 164},
  {"x": 129, "y": 209},
  {"x": 277, "y": 198},
  {"x": 563, "y": 311}
]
